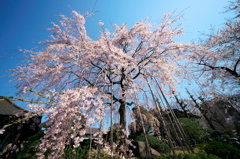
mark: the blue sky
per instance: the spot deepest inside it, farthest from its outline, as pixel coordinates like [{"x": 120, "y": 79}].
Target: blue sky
[{"x": 24, "y": 22}]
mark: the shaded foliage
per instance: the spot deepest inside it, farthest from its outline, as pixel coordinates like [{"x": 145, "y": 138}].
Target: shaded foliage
[
  {"x": 76, "y": 153},
  {"x": 194, "y": 130},
  {"x": 154, "y": 143},
  {"x": 29, "y": 148},
  {"x": 190, "y": 156},
  {"x": 222, "y": 150},
  {"x": 220, "y": 135}
]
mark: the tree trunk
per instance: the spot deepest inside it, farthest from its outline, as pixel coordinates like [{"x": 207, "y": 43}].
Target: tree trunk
[
  {"x": 122, "y": 113},
  {"x": 122, "y": 108}
]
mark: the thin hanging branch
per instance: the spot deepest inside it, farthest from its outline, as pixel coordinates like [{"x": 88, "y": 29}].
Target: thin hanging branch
[
  {"x": 164, "y": 125},
  {"x": 111, "y": 123},
  {"x": 172, "y": 125},
  {"x": 90, "y": 144},
  {"x": 187, "y": 144},
  {"x": 148, "y": 153},
  {"x": 100, "y": 135},
  {"x": 182, "y": 105}
]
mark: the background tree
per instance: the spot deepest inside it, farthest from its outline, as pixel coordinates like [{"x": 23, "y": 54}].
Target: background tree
[
  {"x": 151, "y": 123},
  {"x": 202, "y": 111},
  {"x": 221, "y": 64},
  {"x": 186, "y": 106}
]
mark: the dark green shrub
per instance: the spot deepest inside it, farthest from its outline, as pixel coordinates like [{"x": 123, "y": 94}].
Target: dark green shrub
[
  {"x": 189, "y": 156},
  {"x": 223, "y": 150},
  {"x": 220, "y": 135},
  {"x": 197, "y": 156},
  {"x": 29, "y": 147},
  {"x": 154, "y": 143},
  {"x": 194, "y": 130},
  {"x": 164, "y": 157},
  {"x": 76, "y": 153}
]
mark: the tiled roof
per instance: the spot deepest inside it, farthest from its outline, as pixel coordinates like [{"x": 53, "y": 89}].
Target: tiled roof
[{"x": 7, "y": 107}]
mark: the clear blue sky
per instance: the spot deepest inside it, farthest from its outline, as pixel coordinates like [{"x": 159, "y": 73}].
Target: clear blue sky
[{"x": 23, "y": 23}]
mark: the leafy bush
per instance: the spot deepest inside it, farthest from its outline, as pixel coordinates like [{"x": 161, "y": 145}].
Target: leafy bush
[
  {"x": 103, "y": 154},
  {"x": 76, "y": 153},
  {"x": 189, "y": 156},
  {"x": 29, "y": 149},
  {"x": 164, "y": 157},
  {"x": 197, "y": 156},
  {"x": 220, "y": 135},
  {"x": 223, "y": 150},
  {"x": 193, "y": 130},
  {"x": 154, "y": 143}
]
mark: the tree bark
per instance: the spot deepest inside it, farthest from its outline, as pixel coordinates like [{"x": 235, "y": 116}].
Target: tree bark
[{"x": 122, "y": 110}]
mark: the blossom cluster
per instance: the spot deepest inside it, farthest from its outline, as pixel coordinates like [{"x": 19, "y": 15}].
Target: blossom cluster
[{"x": 67, "y": 117}]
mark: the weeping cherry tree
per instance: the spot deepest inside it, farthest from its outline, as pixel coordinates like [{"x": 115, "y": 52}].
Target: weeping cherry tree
[{"x": 72, "y": 75}]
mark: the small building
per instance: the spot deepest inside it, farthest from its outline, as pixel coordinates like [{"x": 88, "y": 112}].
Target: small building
[{"x": 17, "y": 131}]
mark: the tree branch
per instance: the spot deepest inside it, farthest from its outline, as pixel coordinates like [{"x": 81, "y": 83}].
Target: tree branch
[
  {"x": 235, "y": 67},
  {"x": 232, "y": 72}
]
